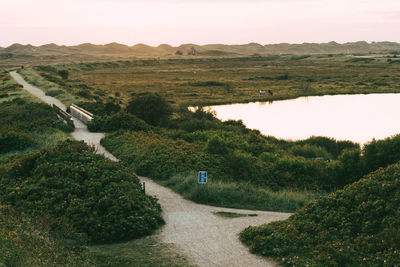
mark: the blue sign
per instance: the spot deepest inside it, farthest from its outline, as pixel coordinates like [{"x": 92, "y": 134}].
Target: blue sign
[{"x": 202, "y": 178}]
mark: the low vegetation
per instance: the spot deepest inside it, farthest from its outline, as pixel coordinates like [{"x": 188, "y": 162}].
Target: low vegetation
[
  {"x": 95, "y": 196},
  {"x": 31, "y": 242},
  {"x": 356, "y": 226},
  {"x": 26, "y": 124},
  {"x": 48, "y": 221},
  {"x": 144, "y": 252},
  {"x": 51, "y": 83},
  {"x": 203, "y": 81},
  {"x": 245, "y": 168}
]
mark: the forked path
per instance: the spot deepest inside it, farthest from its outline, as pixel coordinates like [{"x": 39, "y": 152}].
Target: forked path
[{"x": 203, "y": 237}]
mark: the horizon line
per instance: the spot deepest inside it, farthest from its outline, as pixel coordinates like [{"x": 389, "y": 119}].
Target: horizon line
[{"x": 238, "y": 44}]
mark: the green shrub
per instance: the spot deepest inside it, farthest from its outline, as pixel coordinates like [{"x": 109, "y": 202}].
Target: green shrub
[
  {"x": 310, "y": 151},
  {"x": 356, "y": 226},
  {"x": 118, "y": 121},
  {"x": 331, "y": 145},
  {"x": 54, "y": 92},
  {"x": 19, "y": 116},
  {"x": 351, "y": 167},
  {"x": 94, "y": 195},
  {"x": 151, "y": 108},
  {"x": 15, "y": 141},
  {"x": 380, "y": 153},
  {"x": 85, "y": 94},
  {"x": 217, "y": 145},
  {"x": 64, "y": 74}
]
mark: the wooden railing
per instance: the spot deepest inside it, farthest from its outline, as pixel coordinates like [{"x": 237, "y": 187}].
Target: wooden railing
[
  {"x": 81, "y": 114},
  {"x": 67, "y": 118}
]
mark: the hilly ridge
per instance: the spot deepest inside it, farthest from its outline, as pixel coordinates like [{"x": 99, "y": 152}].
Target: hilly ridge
[{"x": 114, "y": 50}]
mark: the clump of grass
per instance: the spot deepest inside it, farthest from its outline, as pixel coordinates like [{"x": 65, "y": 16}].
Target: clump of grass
[
  {"x": 54, "y": 92},
  {"x": 140, "y": 252},
  {"x": 207, "y": 83}
]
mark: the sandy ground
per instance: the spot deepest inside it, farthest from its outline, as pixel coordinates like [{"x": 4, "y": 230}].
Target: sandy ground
[{"x": 203, "y": 237}]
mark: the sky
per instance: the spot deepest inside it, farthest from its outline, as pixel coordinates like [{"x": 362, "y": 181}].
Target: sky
[{"x": 176, "y": 22}]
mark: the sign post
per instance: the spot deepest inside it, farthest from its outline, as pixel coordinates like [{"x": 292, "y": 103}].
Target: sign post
[{"x": 202, "y": 177}]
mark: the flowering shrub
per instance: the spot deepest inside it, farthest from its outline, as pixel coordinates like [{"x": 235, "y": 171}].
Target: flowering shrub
[
  {"x": 70, "y": 183},
  {"x": 356, "y": 226}
]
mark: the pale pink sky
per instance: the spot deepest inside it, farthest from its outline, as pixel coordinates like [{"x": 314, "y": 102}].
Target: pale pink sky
[{"x": 175, "y": 22}]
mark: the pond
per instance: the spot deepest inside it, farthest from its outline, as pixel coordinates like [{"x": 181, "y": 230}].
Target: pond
[{"x": 358, "y": 118}]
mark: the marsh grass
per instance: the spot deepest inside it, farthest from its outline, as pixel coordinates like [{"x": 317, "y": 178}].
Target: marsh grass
[
  {"x": 238, "y": 195},
  {"x": 206, "y": 81}
]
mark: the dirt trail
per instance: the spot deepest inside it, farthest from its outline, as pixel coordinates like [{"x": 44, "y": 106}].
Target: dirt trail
[
  {"x": 81, "y": 132},
  {"x": 205, "y": 238}
]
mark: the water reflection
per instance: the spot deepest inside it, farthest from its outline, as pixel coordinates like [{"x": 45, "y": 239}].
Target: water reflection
[{"x": 358, "y": 118}]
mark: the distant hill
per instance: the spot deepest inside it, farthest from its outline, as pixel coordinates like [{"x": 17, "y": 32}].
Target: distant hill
[{"x": 87, "y": 51}]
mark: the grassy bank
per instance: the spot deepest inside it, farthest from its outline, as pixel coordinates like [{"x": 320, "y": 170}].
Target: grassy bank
[{"x": 239, "y": 195}]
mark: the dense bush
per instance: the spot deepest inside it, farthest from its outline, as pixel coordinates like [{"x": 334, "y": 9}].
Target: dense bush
[
  {"x": 332, "y": 146},
  {"x": 216, "y": 145},
  {"x": 380, "y": 153},
  {"x": 70, "y": 183},
  {"x": 224, "y": 155},
  {"x": 64, "y": 74},
  {"x": 356, "y": 226},
  {"x": 152, "y": 108},
  {"x": 14, "y": 141},
  {"x": 118, "y": 121},
  {"x": 20, "y": 116},
  {"x": 310, "y": 151}
]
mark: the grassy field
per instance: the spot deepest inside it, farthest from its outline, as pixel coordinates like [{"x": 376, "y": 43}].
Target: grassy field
[{"x": 227, "y": 80}]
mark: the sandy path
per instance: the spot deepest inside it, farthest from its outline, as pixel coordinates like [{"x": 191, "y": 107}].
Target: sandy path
[
  {"x": 81, "y": 132},
  {"x": 205, "y": 238}
]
